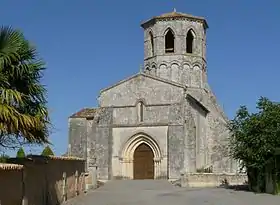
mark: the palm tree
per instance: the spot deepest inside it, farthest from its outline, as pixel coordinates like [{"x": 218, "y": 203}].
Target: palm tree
[{"x": 23, "y": 106}]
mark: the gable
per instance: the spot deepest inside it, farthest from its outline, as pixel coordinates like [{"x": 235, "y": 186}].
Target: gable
[{"x": 150, "y": 89}]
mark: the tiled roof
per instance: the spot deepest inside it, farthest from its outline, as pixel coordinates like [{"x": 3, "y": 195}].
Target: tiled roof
[
  {"x": 85, "y": 113},
  {"x": 175, "y": 14},
  {"x": 65, "y": 158},
  {"x": 6, "y": 166}
]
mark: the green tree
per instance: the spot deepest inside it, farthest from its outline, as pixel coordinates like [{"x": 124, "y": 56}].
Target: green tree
[
  {"x": 3, "y": 158},
  {"x": 47, "y": 151},
  {"x": 23, "y": 106},
  {"x": 255, "y": 136},
  {"x": 20, "y": 153}
]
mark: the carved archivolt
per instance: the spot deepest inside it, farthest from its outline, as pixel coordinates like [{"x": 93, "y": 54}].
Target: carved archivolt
[
  {"x": 169, "y": 28},
  {"x": 130, "y": 146},
  {"x": 127, "y": 154}
]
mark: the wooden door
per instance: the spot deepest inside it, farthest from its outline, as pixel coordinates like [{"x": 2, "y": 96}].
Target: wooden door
[{"x": 143, "y": 164}]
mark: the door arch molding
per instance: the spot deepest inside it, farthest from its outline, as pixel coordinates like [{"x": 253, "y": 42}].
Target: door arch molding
[{"x": 127, "y": 154}]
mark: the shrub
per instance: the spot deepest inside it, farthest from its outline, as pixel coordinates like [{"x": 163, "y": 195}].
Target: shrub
[
  {"x": 20, "y": 153},
  {"x": 47, "y": 151},
  {"x": 3, "y": 158}
]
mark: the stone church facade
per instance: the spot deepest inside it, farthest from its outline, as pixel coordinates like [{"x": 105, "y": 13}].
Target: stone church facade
[{"x": 163, "y": 121}]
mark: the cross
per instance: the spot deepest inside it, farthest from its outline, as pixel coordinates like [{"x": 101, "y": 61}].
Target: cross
[
  {"x": 141, "y": 68},
  {"x": 174, "y": 4}
]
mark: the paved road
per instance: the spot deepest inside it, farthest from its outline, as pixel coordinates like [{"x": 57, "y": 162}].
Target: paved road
[{"x": 157, "y": 192}]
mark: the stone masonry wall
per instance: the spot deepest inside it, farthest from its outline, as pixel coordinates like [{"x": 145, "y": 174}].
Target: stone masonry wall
[
  {"x": 11, "y": 177},
  {"x": 180, "y": 29},
  {"x": 40, "y": 180},
  {"x": 153, "y": 91},
  {"x": 129, "y": 115},
  {"x": 100, "y": 142},
  {"x": 199, "y": 115},
  {"x": 176, "y": 143},
  {"x": 78, "y": 137},
  {"x": 176, "y": 146},
  {"x": 212, "y": 179},
  {"x": 187, "y": 69},
  {"x": 217, "y": 132}
]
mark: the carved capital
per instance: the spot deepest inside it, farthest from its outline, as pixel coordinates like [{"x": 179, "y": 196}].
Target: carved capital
[{"x": 157, "y": 159}]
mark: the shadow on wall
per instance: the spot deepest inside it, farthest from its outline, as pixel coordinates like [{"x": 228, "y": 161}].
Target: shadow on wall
[{"x": 43, "y": 180}]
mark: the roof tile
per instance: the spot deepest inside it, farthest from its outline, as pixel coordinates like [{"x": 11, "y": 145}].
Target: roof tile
[
  {"x": 6, "y": 166},
  {"x": 85, "y": 113},
  {"x": 175, "y": 14}
]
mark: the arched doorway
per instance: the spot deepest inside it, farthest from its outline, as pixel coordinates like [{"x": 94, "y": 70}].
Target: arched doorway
[
  {"x": 129, "y": 162},
  {"x": 143, "y": 162}
]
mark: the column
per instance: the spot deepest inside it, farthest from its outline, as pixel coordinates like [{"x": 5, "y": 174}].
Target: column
[
  {"x": 157, "y": 168},
  {"x": 92, "y": 169},
  {"x": 124, "y": 168},
  {"x": 130, "y": 166},
  {"x": 121, "y": 167}
]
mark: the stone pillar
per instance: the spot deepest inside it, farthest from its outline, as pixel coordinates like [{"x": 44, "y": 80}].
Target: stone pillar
[
  {"x": 92, "y": 173},
  {"x": 163, "y": 167},
  {"x": 130, "y": 166},
  {"x": 157, "y": 168},
  {"x": 125, "y": 168},
  {"x": 64, "y": 186},
  {"x": 184, "y": 180},
  {"x": 121, "y": 167},
  {"x": 122, "y": 170},
  {"x": 82, "y": 184},
  {"x": 77, "y": 183}
]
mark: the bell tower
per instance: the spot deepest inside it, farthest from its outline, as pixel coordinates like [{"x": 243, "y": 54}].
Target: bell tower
[{"x": 175, "y": 48}]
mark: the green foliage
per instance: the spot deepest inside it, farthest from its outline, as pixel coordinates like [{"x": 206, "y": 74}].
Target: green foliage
[
  {"x": 23, "y": 110},
  {"x": 255, "y": 136},
  {"x": 3, "y": 158},
  {"x": 47, "y": 151},
  {"x": 20, "y": 153},
  {"x": 277, "y": 188}
]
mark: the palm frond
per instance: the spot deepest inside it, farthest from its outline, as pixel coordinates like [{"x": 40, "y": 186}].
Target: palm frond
[{"x": 23, "y": 104}]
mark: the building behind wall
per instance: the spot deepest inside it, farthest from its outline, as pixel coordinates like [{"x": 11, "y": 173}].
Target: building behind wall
[{"x": 162, "y": 121}]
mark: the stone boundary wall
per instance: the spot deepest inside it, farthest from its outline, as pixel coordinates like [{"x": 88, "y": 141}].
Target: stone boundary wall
[
  {"x": 41, "y": 180},
  {"x": 212, "y": 179},
  {"x": 11, "y": 188}
]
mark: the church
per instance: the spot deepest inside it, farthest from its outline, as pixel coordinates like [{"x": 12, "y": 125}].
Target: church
[{"x": 162, "y": 121}]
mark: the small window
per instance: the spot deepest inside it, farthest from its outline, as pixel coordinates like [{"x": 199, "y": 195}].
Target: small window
[
  {"x": 152, "y": 43},
  {"x": 141, "y": 111},
  {"x": 189, "y": 41},
  {"x": 169, "y": 42}
]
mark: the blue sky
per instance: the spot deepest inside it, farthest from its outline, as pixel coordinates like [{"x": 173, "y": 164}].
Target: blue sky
[{"x": 89, "y": 45}]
